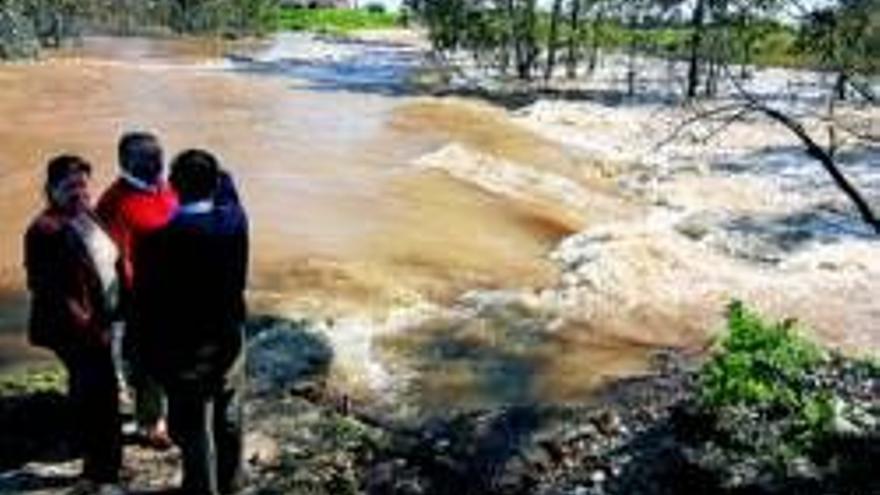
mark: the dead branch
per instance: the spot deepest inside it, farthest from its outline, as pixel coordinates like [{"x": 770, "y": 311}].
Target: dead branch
[
  {"x": 812, "y": 148},
  {"x": 700, "y": 116},
  {"x": 864, "y": 90},
  {"x": 819, "y": 154}
]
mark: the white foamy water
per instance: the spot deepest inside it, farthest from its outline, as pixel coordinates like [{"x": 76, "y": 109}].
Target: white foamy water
[{"x": 746, "y": 214}]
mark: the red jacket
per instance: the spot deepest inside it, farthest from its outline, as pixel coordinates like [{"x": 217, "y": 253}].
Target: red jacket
[
  {"x": 130, "y": 215},
  {"x": 68, "y": 310}
]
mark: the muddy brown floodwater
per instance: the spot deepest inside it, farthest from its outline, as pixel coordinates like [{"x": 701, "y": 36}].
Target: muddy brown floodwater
[{"x": 341, "y": 220}]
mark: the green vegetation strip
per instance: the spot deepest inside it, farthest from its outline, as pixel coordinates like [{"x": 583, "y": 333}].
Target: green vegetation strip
[{"x": 334, "y": 21}]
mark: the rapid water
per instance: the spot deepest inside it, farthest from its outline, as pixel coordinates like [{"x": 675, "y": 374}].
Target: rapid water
[{"x": 320, "y": 139}]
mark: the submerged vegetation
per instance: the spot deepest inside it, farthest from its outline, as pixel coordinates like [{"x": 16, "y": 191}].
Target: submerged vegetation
[{"x": 522, "y": 38}]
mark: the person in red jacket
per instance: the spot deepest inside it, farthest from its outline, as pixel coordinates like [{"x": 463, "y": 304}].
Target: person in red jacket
[{"x": 139, "y": 203}]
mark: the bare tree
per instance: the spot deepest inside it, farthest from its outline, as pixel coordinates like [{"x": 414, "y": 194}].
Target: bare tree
[{"x": 553, "y": 38}]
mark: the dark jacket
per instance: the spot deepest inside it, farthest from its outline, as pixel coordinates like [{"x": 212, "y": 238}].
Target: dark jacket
[
  {"x": 68, "y": 310},
  {"x": 190, "y": 281}
]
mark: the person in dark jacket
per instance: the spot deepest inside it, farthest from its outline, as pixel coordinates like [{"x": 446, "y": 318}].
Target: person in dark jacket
[
  {"x": 73, "y": 271},
  {"x": 190, "y": 281}
]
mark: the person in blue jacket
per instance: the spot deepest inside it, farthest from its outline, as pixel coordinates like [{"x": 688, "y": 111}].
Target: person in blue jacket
[{"x": 190, "y": 278}]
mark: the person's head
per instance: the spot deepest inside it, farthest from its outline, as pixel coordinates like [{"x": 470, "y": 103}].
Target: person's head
[
  {"x": 227, "y": 194},
  {"x": 67, "y": 183},
  {"x": 140, "y": 155},
  {"x": 195, "y": 175}
]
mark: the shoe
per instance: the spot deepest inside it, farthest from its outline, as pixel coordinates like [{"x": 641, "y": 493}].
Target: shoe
[
  {"x": 156, "y": 436},
  {"x": 158, "y": 440}
]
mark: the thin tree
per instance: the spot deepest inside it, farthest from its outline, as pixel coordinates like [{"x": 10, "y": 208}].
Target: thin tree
[{"x": 553, "y": 39}]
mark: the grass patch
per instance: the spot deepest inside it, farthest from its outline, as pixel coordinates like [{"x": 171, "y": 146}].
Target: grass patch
[
  {"x": 335, "y": 21},
  {"x": 33, "y": 381}
]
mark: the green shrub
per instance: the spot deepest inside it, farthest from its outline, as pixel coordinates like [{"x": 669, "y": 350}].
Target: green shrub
[
  {"x": 759, "y": 363},
  {"x": 375, "y": 8},
  {"x": 761, "y": 384}
]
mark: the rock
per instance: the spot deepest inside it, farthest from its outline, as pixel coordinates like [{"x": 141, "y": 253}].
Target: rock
[
  {"x": 696, "y": 227},
  {"x": 261, "y": 450},
  {"x": 841, "y": 425},
  {"x": 801, "y": 467},
  {"x": 853, "y": 419},
  {"x": 609, "y": 423},
  {"x": 284, "y": 356}
]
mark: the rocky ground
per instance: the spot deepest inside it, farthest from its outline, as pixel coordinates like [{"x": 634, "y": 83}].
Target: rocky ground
[{"x": 644, "y": 435}]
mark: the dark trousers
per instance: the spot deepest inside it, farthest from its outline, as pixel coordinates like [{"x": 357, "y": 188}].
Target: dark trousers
[
  {"x": 206, "y": 422},
  {"x": 149, "y": 397},
  {"x": 94, "y": 396}
]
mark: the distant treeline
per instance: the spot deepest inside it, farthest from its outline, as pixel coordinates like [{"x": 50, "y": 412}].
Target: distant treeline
[
  {"x": 28, "y": 24},
  {"x": 522, "y": 38}
]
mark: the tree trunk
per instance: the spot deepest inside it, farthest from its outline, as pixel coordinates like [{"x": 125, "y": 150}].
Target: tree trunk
[
  {"x": 748, "y": 41},
  {"x": 526, "y": 47},
  {"x": 574, "y": 31},
  {"x": 631, "y": 60},
  {"x": 698, "y": 25},
  {"x": 840, "y": 85},
  {"x": 512, "y": 32},
  {"x": 552, "y": 40},
  {"x": 594, "y": 41}
]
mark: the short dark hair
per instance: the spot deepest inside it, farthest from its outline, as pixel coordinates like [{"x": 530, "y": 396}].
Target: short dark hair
[
  {"x": 140, "y": 154},
  {"x": 195, "y": 175},
  {"x": 62, "y": 166}
]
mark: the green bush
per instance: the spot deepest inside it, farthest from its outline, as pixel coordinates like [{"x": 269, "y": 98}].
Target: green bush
[
  {"x": 759, "y": 363},
  {"x": 766, "y": 372},
  {"x": 375, "y": 8}
]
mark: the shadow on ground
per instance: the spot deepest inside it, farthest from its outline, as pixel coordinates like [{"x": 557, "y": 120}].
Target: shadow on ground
[{"x": 36, "y": 444}]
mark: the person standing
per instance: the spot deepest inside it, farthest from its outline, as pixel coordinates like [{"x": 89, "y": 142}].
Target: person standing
[
  {"x": 72, "y": 269},
  {"x": 137, "y": 204},
  {"x": 190, "y": 280}
]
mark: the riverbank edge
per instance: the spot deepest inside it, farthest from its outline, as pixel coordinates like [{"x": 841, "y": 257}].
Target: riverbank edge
[{"x": 646, "y": 434}]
